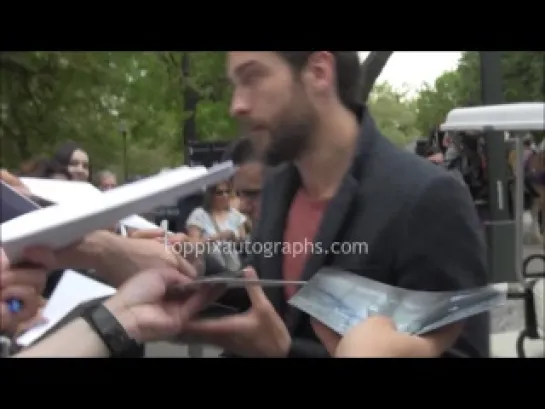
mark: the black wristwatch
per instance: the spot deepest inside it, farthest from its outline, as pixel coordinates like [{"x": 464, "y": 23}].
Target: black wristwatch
[{"x": 112, "y": 333}]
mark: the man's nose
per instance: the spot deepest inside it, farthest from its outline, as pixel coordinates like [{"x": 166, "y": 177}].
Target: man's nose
[{"x": 239, "y": 106}]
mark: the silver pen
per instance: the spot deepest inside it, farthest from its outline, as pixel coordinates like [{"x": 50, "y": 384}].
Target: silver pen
[{"x": 164, "y": 226}]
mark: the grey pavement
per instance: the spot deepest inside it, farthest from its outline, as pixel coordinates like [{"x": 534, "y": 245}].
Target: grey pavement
[{"x": 508, "y": 319}]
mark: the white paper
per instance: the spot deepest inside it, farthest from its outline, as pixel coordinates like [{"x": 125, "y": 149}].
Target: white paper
[
  {"x": 63, "y": 191},
  {"x": 62, "y": 224},
  {"x": 72, "y": 290},
  {"x": 138, "y": 223},
  {"x": 60, "y": 191}
]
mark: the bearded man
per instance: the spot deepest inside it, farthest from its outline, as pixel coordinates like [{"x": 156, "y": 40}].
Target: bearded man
[{"x": 338, "y": 180}]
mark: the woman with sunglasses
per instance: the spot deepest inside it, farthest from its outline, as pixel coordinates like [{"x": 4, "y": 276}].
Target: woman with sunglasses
[{"x": 218, "y": 224}]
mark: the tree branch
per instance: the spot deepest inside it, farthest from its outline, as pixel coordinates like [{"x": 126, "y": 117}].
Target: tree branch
[{"x": 371, "y": 69}]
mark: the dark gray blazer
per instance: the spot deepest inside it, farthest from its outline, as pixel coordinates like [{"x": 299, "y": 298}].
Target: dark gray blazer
[{"x": 419, "y": 223}]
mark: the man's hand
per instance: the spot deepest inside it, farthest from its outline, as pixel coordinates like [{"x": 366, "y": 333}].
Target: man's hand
[
  {"x": 24, "y": 284},
  {"x": 142, "y": 308},
  {"x": 116, "y": 259},
  {"x": 159, "y": 236},
  {"x": 38, "y": 319},
  {"x": 258, "y": 332},
  {"x": 376, "y": 337},
  {"x": 14, "y": 182},
  {"x": 178, "y": 243}
]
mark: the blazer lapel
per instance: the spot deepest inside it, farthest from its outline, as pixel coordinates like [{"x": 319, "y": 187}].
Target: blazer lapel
[{"x": 338, "y": 211}]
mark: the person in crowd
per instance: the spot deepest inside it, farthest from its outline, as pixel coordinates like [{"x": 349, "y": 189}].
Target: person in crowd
[
  {"x": 54, "y": 170},
  {"x": 186, "y": 206},
  {"x": 235, "y": 202},
  {"x": 437, "y": 146},
  {"x": 106, "y": 180},
  {"x": 338, "y": 180},
  {"x": 34, "y": 167},
  {"x": 248, "y": 179},
  {"x": 217, "y": 222},
  {"x": 139, "y": 312},
  {"x": 75, "y": 160}
]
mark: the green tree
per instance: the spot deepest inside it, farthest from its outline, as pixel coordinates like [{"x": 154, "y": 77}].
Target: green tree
[
  {"x": 522, "y": 81},
  {"x": 89, "y": 97},
  {"x": 394, "y": 113}
]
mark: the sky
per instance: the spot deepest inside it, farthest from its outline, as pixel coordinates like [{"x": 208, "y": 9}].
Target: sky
[{"x": 412, "y": 68}]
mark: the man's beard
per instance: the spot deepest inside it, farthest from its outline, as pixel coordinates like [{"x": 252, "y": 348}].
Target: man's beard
[{"x": 291, "y": 131}]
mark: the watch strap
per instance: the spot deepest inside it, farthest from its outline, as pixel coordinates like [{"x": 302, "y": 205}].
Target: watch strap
[{"x": 110, "y": 331}]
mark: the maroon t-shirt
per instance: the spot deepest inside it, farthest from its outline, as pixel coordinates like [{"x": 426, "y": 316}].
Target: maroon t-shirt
[{"x": 304, "y": 219}]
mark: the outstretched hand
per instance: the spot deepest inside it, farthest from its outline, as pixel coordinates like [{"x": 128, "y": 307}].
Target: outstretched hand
[
  {"x": 178, "y": 243},
  {"x": 378, "y": 337},
  {"x": 364, "y": 340},
  {"x": 258, "y": 332},
  {"x": 141, "y": 305},
  {"x": 23, "y": 283},
  {"x": 14, "y": 182}
]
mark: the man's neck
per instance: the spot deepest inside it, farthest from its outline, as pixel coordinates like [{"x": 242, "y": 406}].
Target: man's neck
[{"x": 324, "y": 166}]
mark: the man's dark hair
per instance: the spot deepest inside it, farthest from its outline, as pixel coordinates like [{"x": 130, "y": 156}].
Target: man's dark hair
[
  {"x": 347, "y": 67},
  {"x": 240, "y": 151}
]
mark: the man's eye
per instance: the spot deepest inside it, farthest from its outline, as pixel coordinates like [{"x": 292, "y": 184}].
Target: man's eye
[{"x": 250, "y": 77}]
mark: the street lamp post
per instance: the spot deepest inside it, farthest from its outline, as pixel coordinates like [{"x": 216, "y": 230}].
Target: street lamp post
[{"x": 500, "y": 228}]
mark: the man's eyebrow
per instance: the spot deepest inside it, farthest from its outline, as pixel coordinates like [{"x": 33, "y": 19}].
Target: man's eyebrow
[{"x": 244, "y": 67}]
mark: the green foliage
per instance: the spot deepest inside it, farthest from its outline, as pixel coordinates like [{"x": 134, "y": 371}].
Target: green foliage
[
  {"x": 523, "y": 81},
  {"x": 96, "y": 97},
  {"x": 93, "y": 97},
  {"x": 394, "y": 113}
]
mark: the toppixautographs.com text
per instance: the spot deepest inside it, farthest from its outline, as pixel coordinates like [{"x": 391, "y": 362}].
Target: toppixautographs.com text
[{"x": 267, "y": 249}]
